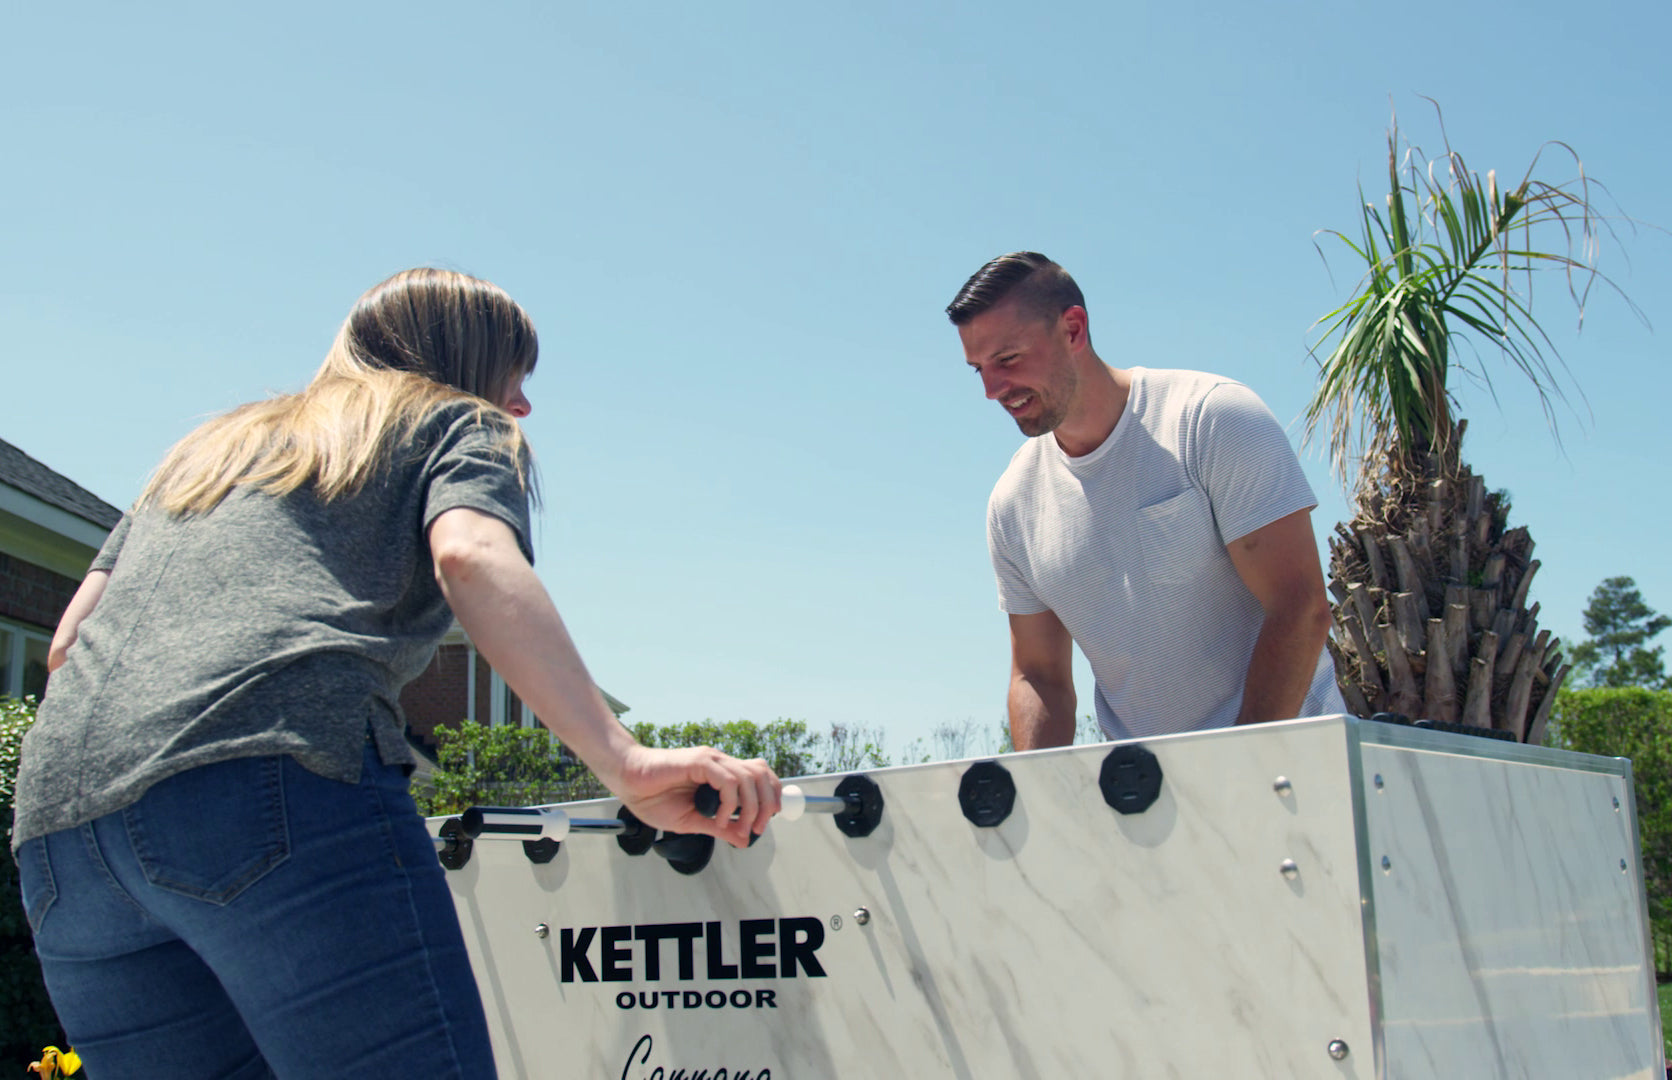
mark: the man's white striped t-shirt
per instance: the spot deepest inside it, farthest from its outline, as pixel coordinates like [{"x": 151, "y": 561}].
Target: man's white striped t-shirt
[{"x": 1126, "y": 545}]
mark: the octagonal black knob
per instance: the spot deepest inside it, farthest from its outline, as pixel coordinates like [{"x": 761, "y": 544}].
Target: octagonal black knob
[
  {"x": 541, "y": 851},
  {"x": 686, "y": 852},
  {"x": 862, "y": 818},
  {"x": 986, "y": 794},
  {"x": 455, "y": 847},
  {"x": 1130, "y": 778},
  {"x": 635, "y": 836}
]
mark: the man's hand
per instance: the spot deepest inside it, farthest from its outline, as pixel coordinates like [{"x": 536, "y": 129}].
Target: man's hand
[
  {"x": 1041, "y": 696},
  {"x": 1279, "y": 564}
]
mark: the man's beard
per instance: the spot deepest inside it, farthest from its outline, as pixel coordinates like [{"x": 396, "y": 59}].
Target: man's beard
[
  {"x": 1046, "y": 422},
  {"x": 1053, "y": 406}
]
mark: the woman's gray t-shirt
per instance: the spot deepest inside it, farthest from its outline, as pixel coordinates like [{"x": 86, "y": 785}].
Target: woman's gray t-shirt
[{"x": 270, "y": 625}]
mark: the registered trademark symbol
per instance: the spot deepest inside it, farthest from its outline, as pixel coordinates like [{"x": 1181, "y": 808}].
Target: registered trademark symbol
[{"x": 835, "y": 922}]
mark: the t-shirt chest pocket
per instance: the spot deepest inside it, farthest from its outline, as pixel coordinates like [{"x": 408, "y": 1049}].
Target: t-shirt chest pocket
[{"x": 1177, "y": 537}]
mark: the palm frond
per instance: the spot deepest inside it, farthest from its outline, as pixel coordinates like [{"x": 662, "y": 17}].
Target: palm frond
[{"x": 1448, "y": 253}]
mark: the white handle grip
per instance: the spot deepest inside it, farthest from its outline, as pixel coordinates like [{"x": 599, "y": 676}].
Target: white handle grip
[{"x": 794, "y": 802}]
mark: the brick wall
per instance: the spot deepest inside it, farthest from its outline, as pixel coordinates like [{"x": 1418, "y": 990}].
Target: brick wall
[
  {"x": 484, "y": 696},
  {"x": 438, "y": 695},
  {"x": 33, "y": 594}
]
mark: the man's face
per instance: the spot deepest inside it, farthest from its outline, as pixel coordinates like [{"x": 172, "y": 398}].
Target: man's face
[{"x": 1024, "y": 363}]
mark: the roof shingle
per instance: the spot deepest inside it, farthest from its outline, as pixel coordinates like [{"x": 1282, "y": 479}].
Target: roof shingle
[{"x": 31, "y": 477}]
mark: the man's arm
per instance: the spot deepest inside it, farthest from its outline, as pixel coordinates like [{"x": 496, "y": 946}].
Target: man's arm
[
  {"x": 86, "y": 598},
  {"x": 1279, "y": 564},
  {"x": 1041, "y": 682}
]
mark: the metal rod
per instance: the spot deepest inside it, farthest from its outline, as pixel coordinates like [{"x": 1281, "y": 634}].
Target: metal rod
[
  {"x": 795, "y": 802},
  {"x": 491, "y": 831},
  {"x": 597, "y": 825},
  {"x": 550, "y": 823},
  {"x": 529, "y": 823},
  {"x": 515, "y": 822}
]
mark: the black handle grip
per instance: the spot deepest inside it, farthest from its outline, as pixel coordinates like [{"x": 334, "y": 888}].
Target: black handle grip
[{"x": 707, "y": 800}]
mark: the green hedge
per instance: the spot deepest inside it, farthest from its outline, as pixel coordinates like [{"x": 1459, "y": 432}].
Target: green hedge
[
  {"x": 513, "y": 766},
  {"x": 501, "y": 766},
  {"x": 1632, "y": 722},
  {"x": 27, "y": 1021}
]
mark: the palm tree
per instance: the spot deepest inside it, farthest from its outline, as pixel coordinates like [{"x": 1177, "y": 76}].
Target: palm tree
[{"x": 1430, "y": 581}]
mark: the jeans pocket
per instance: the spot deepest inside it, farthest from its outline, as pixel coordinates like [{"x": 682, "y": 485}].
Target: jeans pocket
[
  {"x": 213, "y": 831},
  {"x": 34, "y": 871}
]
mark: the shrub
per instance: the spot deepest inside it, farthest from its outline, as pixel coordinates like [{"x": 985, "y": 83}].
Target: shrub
[
  {"x": 510, "y": 766},
  {"x": 1636, "y": 723},
  {"x": 27, "y": 1021},
  {"x": 502, "y": 766}
]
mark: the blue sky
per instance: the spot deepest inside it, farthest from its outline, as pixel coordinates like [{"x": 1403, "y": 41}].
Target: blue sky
[{"x": 736, "y": 225}]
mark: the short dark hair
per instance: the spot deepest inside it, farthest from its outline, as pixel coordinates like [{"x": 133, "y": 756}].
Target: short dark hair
[{"x": 1040, "y": 286}]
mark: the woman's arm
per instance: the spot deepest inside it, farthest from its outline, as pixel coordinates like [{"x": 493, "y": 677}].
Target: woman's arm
[
  {"x": 511, "y": 619},
  {"x": 82, "y": 604}
]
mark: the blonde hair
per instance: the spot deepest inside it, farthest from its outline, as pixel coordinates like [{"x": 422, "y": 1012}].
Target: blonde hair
[{"x": 417, "y": 341}]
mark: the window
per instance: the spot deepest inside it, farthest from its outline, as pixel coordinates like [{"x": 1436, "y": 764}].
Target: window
[
  {"x": 23, "y": 652},
  {"x": 6, "y": 665},
  {"x": 499, "y": 700},
  {"x": 504, "y": 707},
  {"x": 34, "y": 666}
]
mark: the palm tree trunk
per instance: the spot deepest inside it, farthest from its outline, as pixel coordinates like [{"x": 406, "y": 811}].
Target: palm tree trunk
[{"x": 1430, "y": 588}]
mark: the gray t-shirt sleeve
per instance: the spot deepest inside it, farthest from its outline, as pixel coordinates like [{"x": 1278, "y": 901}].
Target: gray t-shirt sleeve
[
  {"x": 1015, "y": 595},
  {"x": 472, "y": 466},
  {"x": 1240, "y": 455},
  {"x": 106, "y": 558}
]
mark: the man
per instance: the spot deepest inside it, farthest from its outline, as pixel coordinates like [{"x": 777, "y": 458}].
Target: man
[{"x": 1159, "y": 519}]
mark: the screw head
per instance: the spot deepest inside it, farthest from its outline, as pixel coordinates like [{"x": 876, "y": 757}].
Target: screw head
[
  {"x": 1338, "y": 1049},
  {"x": 1379, "y": 781},
  {"x": 1387, "y": 863},
  {"x": 1622, "y": 866},
  {"x": 1616, "y": 804},
  {"x": 542, "y": 931},
  {"x": 861, "y": 916},
  {"x": 1288, "y": 869},
  {"x": 1282, "y": 786}
]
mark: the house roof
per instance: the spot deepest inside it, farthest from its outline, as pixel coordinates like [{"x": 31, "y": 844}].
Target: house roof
[{"x": 32, "y": 478}]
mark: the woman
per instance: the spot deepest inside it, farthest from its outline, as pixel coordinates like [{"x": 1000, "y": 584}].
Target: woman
[{"x": 220, "y": 862}]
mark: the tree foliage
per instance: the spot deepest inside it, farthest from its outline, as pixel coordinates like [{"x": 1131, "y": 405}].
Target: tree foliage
[
  {"x": 1430, "y": 581},
  {"x": 786, "y": 745},
  {"x": 849, "y": 748},
  {"x": 1620, "y": 625},
  {"x": 1636, "y": 723},
  {"x": 478, "y": 765},
  {"x": 512, "y": 766},
  {"x": 1447, "y": 253},
  {"x": 956, "y": 741},
  {"x": 27, "y": 1021}
]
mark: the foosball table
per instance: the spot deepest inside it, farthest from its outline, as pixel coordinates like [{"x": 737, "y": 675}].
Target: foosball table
[{"x": 1323, "y": 897}]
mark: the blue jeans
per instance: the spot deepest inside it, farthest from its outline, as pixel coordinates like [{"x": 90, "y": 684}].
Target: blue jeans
[{"x": 251, "y": 919}]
